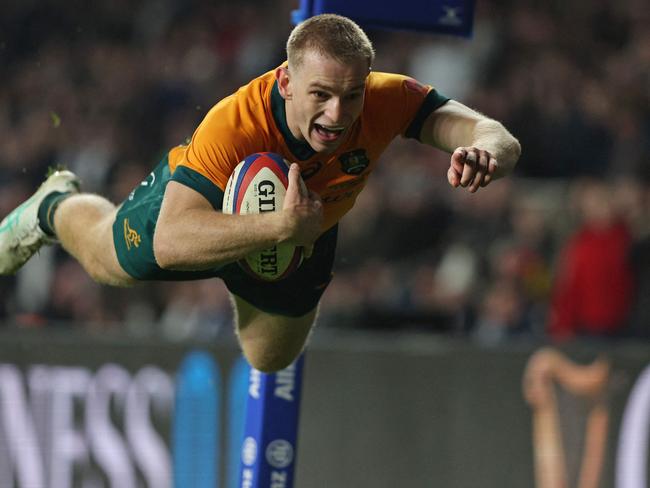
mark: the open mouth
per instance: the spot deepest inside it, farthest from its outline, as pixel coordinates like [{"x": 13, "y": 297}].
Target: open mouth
[{"x": 329, "y": 133}]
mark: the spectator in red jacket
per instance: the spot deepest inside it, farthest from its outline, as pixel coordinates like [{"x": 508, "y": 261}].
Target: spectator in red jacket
[{"x": 593, "y": 287}]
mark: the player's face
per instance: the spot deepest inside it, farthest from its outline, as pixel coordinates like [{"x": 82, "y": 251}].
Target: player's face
[{"x": 325, "y": 99}]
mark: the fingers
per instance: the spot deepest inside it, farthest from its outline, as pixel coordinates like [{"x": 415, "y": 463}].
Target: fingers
[
  {"x": 480, "y": 170},
  {"x": 492, "y": 167},
  {"x": 302, "y": 211},
  {"x": 453, "y": 177},
  {"x": 471, "y": 168},
  {"x": 305, "y": 193},
  {"x": 296, "y": 180},
  {"x": 458, "y": 160},
  {"x": 455, "y": 170}
]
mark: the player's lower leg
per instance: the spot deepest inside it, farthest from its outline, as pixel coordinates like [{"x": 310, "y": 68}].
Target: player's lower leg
[
  {"x": 56, "y": 212},
  {"x": 21, "y": 234}
]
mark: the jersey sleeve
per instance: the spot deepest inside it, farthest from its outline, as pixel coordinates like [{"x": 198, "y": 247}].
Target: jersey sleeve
[
  {"x": 229, "y": 132},
  {"x": 432, "y": 101},
  {"x": 402, "y": 103}
]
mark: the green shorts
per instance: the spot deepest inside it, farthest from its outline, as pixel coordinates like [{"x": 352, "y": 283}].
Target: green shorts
[{"x": 133, "y": 232}]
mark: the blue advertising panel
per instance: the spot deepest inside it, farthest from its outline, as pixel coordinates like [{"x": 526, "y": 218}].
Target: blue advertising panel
[
  {"x": 196, "y": 422},
  {"x": 237, "y": 395}
]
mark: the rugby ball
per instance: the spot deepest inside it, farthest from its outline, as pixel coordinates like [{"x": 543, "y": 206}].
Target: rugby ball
[{"x": 257, "y": 185}]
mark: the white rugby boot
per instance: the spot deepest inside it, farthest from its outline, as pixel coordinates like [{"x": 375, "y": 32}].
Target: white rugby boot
[{"x": 20, "y": 234}]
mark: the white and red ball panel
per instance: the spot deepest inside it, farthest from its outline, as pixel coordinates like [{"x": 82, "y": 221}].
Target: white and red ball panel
[{"x": 257, "y": 185}]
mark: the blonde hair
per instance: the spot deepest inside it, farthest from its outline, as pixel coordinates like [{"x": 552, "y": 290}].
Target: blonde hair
[{"x": 332, "y": 35}]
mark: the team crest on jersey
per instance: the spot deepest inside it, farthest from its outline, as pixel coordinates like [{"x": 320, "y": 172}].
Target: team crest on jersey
[{"x": 354, "y": 162}]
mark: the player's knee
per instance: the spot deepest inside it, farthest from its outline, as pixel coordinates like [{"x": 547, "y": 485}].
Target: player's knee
[
  {"x": 104, "y": 274},
  {"x": 270, "y": 359},
  {"x": 271, "y": 342},
  {"x": 99, "y": 274}
]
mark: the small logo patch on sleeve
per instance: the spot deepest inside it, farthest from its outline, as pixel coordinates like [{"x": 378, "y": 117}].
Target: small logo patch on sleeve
[{"x": 415, "y": 86}]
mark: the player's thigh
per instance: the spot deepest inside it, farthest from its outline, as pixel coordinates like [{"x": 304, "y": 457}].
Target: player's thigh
[
  {"x": 113, "y": 272},
  {"x": 270, "y": 341},
  {"x": 133, "y": 229}
]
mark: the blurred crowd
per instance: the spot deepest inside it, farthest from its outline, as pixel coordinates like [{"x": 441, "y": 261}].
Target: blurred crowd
[{"x": 558, "y": 251}]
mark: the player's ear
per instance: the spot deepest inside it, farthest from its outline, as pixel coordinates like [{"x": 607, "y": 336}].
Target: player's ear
[{"x": 284, "y": 82}]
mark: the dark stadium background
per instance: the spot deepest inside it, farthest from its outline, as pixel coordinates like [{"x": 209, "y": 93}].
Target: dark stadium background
[{"x": 107, "y": 87}]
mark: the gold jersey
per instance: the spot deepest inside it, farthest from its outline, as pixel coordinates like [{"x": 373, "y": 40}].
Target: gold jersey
[{"x": 253, "y": 119}]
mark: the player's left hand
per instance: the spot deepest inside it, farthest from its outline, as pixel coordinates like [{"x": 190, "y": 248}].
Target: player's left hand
[{"x": 471, "y": 168}]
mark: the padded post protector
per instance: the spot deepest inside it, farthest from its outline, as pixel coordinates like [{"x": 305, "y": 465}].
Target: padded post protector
[{"x": 453, "y": 17}]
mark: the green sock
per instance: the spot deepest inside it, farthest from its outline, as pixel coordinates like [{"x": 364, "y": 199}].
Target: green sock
[{"x": 46, "y": 211}]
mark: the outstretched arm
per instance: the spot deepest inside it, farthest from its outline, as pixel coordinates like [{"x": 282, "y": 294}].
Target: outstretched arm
[
  {"x": 482, "y": 149},
  {"x": 191, "y": 235}
]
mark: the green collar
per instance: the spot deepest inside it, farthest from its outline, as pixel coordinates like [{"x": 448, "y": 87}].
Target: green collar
[{"x": 300, "y": 149}]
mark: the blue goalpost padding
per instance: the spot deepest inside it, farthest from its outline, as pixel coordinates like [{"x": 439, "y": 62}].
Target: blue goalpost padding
[
  {"x": 454, "y": 17},
  {"x": 268, "y": 453}
]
